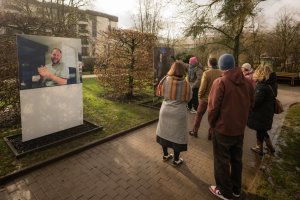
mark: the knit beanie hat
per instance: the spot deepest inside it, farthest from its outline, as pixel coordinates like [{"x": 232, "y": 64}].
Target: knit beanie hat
[
  {"x": 193, "y": 60},
  {"x": 226, "y": 61}
]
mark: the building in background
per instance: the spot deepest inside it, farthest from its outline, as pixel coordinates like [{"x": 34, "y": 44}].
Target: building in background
[
  {"x": 90, "y": 29},
  {"x": 88, "y": 24}
]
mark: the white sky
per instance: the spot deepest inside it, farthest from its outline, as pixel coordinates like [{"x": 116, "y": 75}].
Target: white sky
[{"x": 124, "y": 9}]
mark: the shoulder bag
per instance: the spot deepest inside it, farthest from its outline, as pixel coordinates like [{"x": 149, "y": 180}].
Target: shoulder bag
[{"x": 278, "y": 108}]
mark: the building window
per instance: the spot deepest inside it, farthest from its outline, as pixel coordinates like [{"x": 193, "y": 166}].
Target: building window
[
  {"x": 82, "y": 28},
  {"x": 85, "y": 51},
  {"x": 84, "y": 41},
  {"x": 109, "y": 26},
  {"x": 94, "y": 28}
]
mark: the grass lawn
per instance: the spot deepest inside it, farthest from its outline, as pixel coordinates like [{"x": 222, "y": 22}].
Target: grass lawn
[
  {"x": 113, "y": 116},
  {"x": 281, "y": 179}
]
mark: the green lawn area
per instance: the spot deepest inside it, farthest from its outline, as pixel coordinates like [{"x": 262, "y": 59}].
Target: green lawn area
[
  {"x": 281, "y": 179},
  {"x": 113, "y": 116}
]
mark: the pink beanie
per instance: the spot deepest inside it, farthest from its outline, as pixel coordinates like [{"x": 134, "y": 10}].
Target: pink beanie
[{"x": 193, "y": 60}]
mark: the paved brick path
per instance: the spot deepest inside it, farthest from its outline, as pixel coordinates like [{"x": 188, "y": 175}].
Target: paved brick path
[{"x": 130, "y": 167}]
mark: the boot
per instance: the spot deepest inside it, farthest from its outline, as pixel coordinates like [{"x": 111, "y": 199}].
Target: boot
[
  {"x": 269, "y": 145},
  {"x": 258, "y": 148}
]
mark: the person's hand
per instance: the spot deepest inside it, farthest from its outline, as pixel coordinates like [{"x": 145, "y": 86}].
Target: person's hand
[{"x": 43, "y": 71}]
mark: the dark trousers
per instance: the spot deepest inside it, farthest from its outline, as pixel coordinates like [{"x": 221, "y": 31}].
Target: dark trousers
[
  {"x": 261, "y": 135},
  {"x": 200, "y": 112},
  {"x": 176, "y": 153},
  {"x": 228, "y": 151},
  {"x": 193, "y": 103}
]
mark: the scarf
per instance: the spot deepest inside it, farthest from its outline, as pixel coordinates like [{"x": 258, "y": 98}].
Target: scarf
[{"x": 174, "y": 88}]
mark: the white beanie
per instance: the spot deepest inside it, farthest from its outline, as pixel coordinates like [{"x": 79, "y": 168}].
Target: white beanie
[{"x": 247, "y": 66}]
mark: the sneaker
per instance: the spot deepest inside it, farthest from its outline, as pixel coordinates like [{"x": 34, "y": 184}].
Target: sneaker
[
  {"x": 192, "y": 133},
  {"x": 236, "y": 195},
  {"x": 168, "y": 157},
  {"x": 178, "y": 162},
  {"x": 257, "y": 150},
  {"x": 193, "y": 111},
  {"x": 213, "y": 189}
]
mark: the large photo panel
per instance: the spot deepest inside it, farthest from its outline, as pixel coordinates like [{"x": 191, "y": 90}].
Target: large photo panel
[
  {"x": 50, "y": 84},
  {"x": 163, "y": 59}
]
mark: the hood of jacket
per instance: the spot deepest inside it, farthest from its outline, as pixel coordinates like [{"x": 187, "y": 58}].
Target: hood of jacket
[{"x": 235, "y": 75}]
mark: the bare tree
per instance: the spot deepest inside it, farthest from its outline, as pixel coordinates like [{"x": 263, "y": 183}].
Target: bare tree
[
  {"x": 224, "y": 17},
  {"x": 254, "y": 43},
  {"x": 149, "y": 19},
  {"x": 287, "y": 35}
]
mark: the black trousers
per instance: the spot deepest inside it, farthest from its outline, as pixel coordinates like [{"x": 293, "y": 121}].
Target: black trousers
[
  {"x": 228, "y": 151},
  {"x": 261, "y": 135},
  {"x": 193, "y": 103}
]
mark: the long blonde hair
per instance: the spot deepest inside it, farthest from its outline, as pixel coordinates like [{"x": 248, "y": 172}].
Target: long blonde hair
[{"x": 262, "y": 73}]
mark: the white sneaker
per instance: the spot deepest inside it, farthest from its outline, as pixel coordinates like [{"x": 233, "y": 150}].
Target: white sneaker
[
  {"x": 193, "y": 111},
  {"x": 213, "y": 189}
]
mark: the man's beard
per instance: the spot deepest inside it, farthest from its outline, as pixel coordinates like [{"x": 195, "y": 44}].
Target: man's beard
[{"x": 55, "y": 62}]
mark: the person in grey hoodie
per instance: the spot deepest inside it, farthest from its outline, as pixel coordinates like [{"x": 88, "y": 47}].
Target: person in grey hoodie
[
  {"x": 195, "y": 72},
  {"x": 229, "y": 103}
]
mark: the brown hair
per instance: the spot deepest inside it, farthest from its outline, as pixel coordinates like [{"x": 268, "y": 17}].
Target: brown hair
[
  {"x": 213, "y": 62},
  {"x": 56, "y": 49},
  {"x": 262, "y": 73},
  {"x": 177, "y": 69}
]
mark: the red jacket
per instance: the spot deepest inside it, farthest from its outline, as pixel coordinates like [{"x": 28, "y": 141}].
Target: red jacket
[{"x": 229, "y": 103}]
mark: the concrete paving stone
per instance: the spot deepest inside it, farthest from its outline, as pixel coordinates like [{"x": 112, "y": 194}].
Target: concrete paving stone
[
  {"x": 52, "y": 195},
  {"x": 145, "y": 191},
  {"x": 12, "y": 188},
  {"x": 133, "y": 191},
  {"x": 65, "y": 195},
  {"x": 123, "y": 175},
  {"x": 111, "y": 193},
  {"x": 23, "y": 195},
  {"x": 39, "y": 195},
  {"x": 100, "y": 191},
  {"x": 114, "y": 177},
  {"x": 101, "y": 178},
  {"x": 70, "y": 197},
  {"x": 122, "y": 192},
  {"x": 105, "y": 171},
  {"x": 77, "y": 195},
  {"x": 133, "y": 183},
  {"x": 144, "y": 183},
  {"x": 123, "y": 183},
  {"x": 112, "y": 185},
  {"x": 3, "y": 194},
  {"x": 105, "y": 197},
  {"x": 130, "y": 198},
  {"x": 118, "y": 197}
]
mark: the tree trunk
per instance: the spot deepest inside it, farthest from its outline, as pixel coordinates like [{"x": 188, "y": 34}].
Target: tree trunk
[
  {"x": 236, "y": 49},
  {"x": 130, "y": 92}
]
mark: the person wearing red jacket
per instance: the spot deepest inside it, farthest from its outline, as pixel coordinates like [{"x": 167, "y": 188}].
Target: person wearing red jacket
[{"x": 229, "y": 102}]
